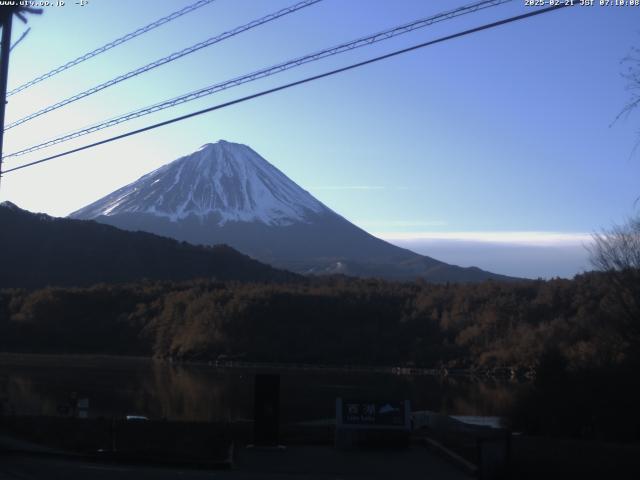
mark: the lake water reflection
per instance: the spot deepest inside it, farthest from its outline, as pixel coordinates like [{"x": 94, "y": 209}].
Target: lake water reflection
[{"x": 41, "y": 385}]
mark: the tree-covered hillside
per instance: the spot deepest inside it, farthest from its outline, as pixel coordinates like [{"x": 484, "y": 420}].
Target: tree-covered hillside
[
  {"x": 38, "y": 250},
  {"x": 332, "y": 320}
]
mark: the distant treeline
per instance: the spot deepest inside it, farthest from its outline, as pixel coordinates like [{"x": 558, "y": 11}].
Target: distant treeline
[{"x": 331, "y": 320}]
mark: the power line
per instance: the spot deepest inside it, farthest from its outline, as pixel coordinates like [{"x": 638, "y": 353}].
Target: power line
[
  {"x": 167, "y": 59},
  {"x": 112, "y": 44},
  {"x": 266, "y": 72},
  {"x": 293, "y": 84}
]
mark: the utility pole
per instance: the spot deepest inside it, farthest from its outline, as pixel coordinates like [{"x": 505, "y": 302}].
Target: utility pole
[{"x": 7, "y": 20}]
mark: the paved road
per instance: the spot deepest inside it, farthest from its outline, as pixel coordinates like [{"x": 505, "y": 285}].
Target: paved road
[
  {"x": 309, "y": 463},
  {"x": 36, "y": 468}
]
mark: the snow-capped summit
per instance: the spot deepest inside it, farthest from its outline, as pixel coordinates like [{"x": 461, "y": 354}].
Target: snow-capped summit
[{"x": 226, "y": 181}]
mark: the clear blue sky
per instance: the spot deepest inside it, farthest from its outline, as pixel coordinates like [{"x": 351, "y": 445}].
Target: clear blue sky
[{"x": 507, "y": 130}]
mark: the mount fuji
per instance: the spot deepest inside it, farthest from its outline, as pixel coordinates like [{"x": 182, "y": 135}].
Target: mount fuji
[{"x": 226, "y": 193}]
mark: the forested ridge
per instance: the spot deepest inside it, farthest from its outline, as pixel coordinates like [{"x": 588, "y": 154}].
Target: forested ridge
[
  {"x": 333, "y": 320},
  {"x": 39, "y": 250}
]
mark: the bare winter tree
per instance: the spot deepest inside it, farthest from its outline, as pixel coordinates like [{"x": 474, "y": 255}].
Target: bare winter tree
[
  {"x": 617, "y": 253},
  {"x": 632, "y": 75},
  {"x": 617, "y": 249}
]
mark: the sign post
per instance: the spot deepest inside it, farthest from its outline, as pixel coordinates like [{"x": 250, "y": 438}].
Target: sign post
[
  {"x": 266, "y": 426},
  {"x": 368, "y": 423}
]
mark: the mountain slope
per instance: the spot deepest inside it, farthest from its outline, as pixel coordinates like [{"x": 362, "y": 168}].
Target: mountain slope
[
  {"x": 227, "y": 193},
  {"x": 40, "y": 250}
]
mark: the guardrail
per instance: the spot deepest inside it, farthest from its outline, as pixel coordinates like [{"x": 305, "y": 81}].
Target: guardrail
[{"x": 480, "y": 450}]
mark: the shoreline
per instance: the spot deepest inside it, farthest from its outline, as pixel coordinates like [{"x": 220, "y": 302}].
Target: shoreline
[{"x": 89, "y": 359}]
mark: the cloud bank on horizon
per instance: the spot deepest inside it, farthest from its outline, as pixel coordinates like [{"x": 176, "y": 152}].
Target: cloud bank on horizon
[{"x": 516, "y": 253}]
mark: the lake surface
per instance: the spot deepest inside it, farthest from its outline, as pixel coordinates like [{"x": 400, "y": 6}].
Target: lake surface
[{"x": 40, "y": 385}]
